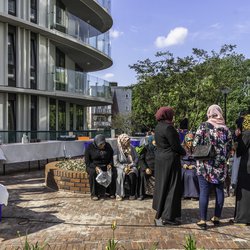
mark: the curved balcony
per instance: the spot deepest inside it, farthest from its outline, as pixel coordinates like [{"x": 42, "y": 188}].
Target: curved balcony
[
  {"x": 73, "y": 26},
  {"x": 72, "y": 86},
  {"x": 91, "y": 11},
  {"x": 88, "y": 57}
]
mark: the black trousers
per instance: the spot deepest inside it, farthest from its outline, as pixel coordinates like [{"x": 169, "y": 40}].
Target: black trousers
[
  {"x": 131, "y": 184},
  {"x": 98, "y": 190},
  {"x": 143, "y": 178}
]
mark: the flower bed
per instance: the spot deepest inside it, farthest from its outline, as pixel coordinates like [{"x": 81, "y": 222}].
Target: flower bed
[{"x": 67, "y": 175}]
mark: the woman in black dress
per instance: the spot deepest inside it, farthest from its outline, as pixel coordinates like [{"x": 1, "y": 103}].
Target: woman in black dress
[
  {"x": 99, "y": 156},
  {"x": 167, "y": 194},
  {"x": 146, "y": 166},
  {"x": 242, "y": 211}
]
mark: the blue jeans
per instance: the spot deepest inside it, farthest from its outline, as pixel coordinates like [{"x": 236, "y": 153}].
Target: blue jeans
[{"x": 205, "y": 187}]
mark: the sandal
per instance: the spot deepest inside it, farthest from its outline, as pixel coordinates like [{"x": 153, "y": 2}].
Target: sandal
[
  {"x": 215, "y": 220},
  {"x": 202, "y": 224}
]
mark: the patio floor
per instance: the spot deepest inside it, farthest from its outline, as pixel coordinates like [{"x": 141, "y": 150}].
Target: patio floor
[{"x": 72, "y": 221}]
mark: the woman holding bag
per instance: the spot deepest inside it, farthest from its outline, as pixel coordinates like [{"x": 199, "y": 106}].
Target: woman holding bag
[
  {"x": 99, "y": 157},
  {"x": 212, "y": 172}
]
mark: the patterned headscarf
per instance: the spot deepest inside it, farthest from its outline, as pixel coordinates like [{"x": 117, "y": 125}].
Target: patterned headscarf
[
  {"x": 165, "y": 114},
  {"x": 246, "y": 123},
  {"x": 188, "y": 137},
  {"x": 122, "y": 143},
  {"x": 215, "y": 117},
  {"x": 124, "y": 147}
]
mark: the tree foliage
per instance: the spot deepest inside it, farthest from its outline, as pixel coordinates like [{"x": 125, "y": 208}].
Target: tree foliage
[{"x": 190, "y": 85}]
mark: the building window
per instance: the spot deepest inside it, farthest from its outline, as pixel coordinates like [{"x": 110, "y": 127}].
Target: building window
[
  {"x": 61, "y": 115},
  {"x": 33, "y": 113},
  {"x": 33, "y": 61},
  {"x": 52, "y": 114},
  {"x": 60, "y": 16},
  {"x": 12, "y": 7},
  {"x": 79, "y": 117},
  {"x": 33, "y": 11},
  {"x": 71, "y": 116},
  {"x": 127, "y": 108},
  {"x": 12, "y": 118},
  {"x": 12, "y": 56},
  {"x": 127, "y": 96},
  {"x": 60, "y": 76}
]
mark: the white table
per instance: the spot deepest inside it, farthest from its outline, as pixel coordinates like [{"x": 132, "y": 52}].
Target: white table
[{"x": 27, "y": 152}]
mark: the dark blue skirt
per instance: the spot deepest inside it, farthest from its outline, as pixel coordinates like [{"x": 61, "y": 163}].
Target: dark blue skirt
[{"x": 190, "y": 183}]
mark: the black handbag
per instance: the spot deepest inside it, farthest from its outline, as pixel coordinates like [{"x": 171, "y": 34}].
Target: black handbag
[{"x": 204, "y": 152}]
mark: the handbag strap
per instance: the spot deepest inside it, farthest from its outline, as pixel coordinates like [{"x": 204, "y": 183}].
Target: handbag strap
[{"x": 208, "y": 132}]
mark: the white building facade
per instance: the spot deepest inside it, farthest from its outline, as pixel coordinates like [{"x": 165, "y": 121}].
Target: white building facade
[{"x": 47, "y": 50}]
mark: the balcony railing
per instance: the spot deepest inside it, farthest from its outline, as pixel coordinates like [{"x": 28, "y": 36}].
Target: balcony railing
[
  {"x": 100, "y": 124},
  {"x": 37, "y": 136},
  {"x": 80, "y": 83},
  {"x": 106, "y": 4},
  {"x": 73, "y": 26},
  {"x": 102, "y": 111}
]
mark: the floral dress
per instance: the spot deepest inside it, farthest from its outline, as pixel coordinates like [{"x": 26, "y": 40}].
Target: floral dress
[{"x": 215, "y": 170}]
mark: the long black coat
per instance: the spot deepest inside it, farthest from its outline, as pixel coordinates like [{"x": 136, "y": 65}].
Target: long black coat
[
  {"x": 167, "y": 194},
  {"x": 242, "y": 211}
]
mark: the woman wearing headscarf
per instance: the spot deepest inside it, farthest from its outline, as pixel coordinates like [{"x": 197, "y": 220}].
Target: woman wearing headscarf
[
  {"x": 242, "y": 211},
  {"x": 125, "y": 161},
  {"x": 146, "y": 166},
  {"x": 167, "y": 193},
  {"x": 99, "y": 156},
  {"x": 189, "y": 176},
  {"x": 213, "y": 172}
]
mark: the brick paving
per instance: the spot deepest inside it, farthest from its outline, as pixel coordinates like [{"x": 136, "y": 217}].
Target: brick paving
[{"x": 72, "y": 221}]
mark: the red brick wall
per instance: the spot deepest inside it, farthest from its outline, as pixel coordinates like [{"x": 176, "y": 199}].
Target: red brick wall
[{"x": 72, "y": 181}]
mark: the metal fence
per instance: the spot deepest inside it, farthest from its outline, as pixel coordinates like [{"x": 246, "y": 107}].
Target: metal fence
[{"x": 37, "y": 136}]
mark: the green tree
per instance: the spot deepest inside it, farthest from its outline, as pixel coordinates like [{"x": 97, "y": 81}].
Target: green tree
[{"x": 190, "y": 85}]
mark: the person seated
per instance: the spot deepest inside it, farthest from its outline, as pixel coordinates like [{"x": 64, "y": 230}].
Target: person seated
[
  {"x": 189, "y": 177},
  {"x": 146, "y": 168},
  {"x": 99, "y": 157},
  {"x": 125, "y": 161}
]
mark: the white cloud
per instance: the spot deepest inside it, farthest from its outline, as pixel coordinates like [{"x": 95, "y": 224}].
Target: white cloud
[
  {"x": 216, "y": 26},
  {"x": 115, "y": 33},
  {"x": 109, "y": 75},
  {"x": 174, "y": 37}
]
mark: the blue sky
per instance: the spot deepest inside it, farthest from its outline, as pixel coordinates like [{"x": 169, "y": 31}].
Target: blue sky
[{"x": 143, "y": 27}]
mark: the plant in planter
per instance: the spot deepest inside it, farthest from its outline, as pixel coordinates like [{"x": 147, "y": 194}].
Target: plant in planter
[{"x": 72, "y": 165}]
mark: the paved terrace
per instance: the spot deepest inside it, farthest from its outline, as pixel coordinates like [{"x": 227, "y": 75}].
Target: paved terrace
[{"x": 73, "y": 221}]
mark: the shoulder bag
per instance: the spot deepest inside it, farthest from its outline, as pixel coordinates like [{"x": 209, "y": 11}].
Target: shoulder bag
[{"x": 204, "y": 152}]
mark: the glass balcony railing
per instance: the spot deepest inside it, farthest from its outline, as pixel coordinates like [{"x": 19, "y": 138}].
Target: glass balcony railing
[
  {"x": 106, "y": 4},
  {"x": 101, "y": 124},
  {"x": 100, "y": 110},
  {"x": 69, "y": 24},
  {"x": 80, "y": 83}
]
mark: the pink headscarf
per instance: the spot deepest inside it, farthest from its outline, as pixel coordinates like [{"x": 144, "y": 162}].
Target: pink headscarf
[
  {"x": 165, "y": 114},
  {"x": 215, "y": 117}
]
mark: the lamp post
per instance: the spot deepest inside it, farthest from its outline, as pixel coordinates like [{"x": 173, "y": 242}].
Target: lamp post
[{"x": 225, "y": 91}]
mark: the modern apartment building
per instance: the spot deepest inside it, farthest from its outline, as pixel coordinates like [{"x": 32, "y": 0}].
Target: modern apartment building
[{"x": 48, "y": 48}]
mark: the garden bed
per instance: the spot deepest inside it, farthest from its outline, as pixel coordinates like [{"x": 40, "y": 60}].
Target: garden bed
[{"x": 64, "y": 175}]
